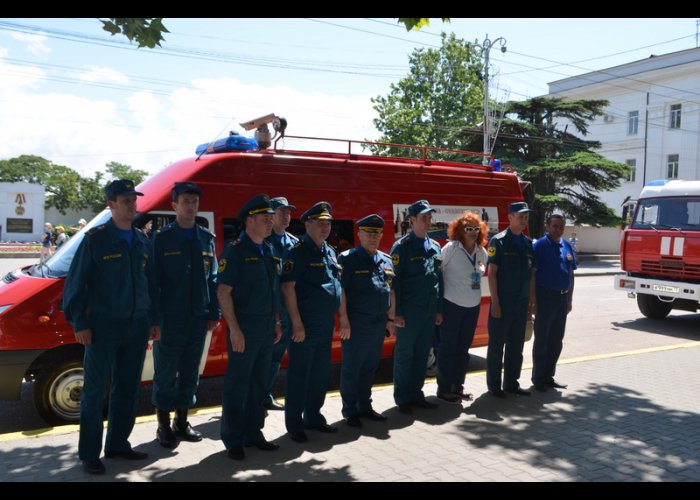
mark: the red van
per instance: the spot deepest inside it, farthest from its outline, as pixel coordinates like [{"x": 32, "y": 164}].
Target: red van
[{"x": 37, "y": 344}]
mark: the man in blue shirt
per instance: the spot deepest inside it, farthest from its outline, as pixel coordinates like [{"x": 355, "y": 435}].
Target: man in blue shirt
[
  {"x": 311, "y": 290},
  {"x": 185, "y": 267},
  {"x": 555, "y": 262},
  {"x": 106, "y": 299},
  {"x": 283, "y": 242}
]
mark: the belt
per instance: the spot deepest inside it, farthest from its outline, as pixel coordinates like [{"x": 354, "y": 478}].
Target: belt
[{"x": 554, "y": 290}]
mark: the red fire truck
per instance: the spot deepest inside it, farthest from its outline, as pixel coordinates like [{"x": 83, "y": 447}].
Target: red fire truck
[
  {"x": 36, "y": 343},
  {"x": 660, "y": 250}
]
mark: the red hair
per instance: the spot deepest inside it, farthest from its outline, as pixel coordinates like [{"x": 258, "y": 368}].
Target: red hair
[{"x": 455, "y": 231}]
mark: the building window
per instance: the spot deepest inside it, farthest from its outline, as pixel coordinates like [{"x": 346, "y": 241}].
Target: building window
[
  {"x": 632, "y": 175},
  {"x": 672, "y": 167},
  {"x": 676, "y": 116},
  {"x": 633, "y": 123}
]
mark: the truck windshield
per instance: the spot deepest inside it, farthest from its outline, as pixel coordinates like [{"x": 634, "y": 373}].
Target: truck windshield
[{"x": 663, "y": 213}]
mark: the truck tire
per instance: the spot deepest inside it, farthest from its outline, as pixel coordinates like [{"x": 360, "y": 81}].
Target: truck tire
[
  {"x": 652, "y": 307},
  {"x": 57, "y": 391}
]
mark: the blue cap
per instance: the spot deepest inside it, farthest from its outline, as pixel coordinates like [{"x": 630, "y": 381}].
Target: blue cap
[
  {"x": 420, "y": 207},
  {"x": 281, "y": 202},
  {"x": 518, "y": 207},
  {"x": 320, "y": 211},
  {"x": 372, "y": 223},
  {"x": 120, "y": 187},
  {"x": 260, "y": 204},
  {"x": 186, "y": 187}
]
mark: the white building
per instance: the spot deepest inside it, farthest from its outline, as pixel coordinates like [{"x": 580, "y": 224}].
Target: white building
[
  {"x": 652, "y": 122},
  {"x": 21, "y": 211}
]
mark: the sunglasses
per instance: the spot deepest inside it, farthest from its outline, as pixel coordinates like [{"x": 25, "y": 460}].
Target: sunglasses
[{"x": 471, "y": 228}]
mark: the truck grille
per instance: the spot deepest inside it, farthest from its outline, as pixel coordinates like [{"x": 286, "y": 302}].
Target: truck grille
[{"x": 672, "y": 268}]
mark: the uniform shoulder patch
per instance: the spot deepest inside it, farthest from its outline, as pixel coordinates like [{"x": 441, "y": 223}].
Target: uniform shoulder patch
[
  {"x": 491, "y": 251},
  {"x": 222, "y": 265},
  {"x": 395, "y": 259},
  {"x": 288, "y": 266},
  {"x": 96, "y": 229}
]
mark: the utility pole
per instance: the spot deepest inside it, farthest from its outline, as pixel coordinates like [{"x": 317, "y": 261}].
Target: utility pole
[{"x": 485, "y": 49}]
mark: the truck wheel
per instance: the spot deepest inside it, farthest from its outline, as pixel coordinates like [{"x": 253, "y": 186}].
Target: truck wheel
[
  {"x": 652, "y": 307},
  {"x": 57, "y": 391}
]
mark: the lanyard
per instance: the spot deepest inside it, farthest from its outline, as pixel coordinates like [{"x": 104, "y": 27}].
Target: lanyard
[{"x": 472, "y": 260}]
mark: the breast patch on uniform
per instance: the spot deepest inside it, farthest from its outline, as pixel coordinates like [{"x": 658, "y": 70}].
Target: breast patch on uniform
[
  {"x": 111, "y": 256},
  {"x": 251, "y": 259},
  {"x": 317, "y": 264},
  {"x": 361, "y": 271},
  {"x": 168, "y": 254},
  {"x": 417, "y": 258}
]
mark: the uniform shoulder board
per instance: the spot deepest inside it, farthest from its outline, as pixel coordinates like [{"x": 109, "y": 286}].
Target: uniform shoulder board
[
  {"x": 384, "y": 255},
  {"x": 404, "y": 239},
  {"x": 234, "y": 243},
  {"x": 165, "y": 229},
  {"x": 347, "y": 252},
  {"x": 298, "y": 244},
  {"x": 501, "y": 235},
  {"x": 96, "y": 229},
  {"x": 293, "y": 238},
  {"x": 205, "y": 230},
  {"x": 434, "y": 242},
  {"x": 268, "y": 245}
]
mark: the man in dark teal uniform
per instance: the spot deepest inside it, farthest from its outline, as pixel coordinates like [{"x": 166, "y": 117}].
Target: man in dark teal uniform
[
  {"x": 185, "y": 267},
  {"x": 366, "y": 313},
  {"x": 510, "y": 274},
  {"x": 106, "y": 300},
  {"x": 311, "y": 290},
  {"x": 283, "y": 242},
  {"x": 419, "y": 290},
  {"x": 249, "y": 296}
]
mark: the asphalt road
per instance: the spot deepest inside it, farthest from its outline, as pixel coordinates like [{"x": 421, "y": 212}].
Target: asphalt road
[{"x": 602, "y": 321}]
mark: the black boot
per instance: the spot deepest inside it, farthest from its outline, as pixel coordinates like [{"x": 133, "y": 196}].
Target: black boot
[
  {"x": 183, "y": 429},
  {"x": 166, "y": 436}
]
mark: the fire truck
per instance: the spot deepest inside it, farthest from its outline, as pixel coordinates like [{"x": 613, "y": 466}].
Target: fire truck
[
  {"x": 38, "y": 345},
  {"x": 660, "y": 249}
]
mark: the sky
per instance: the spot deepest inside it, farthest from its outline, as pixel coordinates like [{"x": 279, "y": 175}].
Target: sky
[{"x": 73, "y": 94}]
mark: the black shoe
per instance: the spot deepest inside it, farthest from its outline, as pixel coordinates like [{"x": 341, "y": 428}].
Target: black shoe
[
  {"x": 127, "y": 455},
  {"x": 166, "y": 437},
  {"x": 325, "y": 428},
  {"x": 353, "y": 421},
  {"x": 540, "y": 387},
  {"x": 426, "y": 404},
  {"x": 450, "y": 398},
  {"x": 556, "y": 385},
  {"x": 497, "y": 393},
  {"x": 273, "y": 405},
  {"x": 186, "y": 433},
  {"x": 183, "y": 429},
  {"x": 95, "y": 467},
  {"x": 373, "y": 415},
  {"x": 299, "y": 437},
  {"x": 236, "y": 453},
  {"x": 519, "y": 391},
  {"x": 265, "y": 445},
  {"x": 406, "y": 409}
]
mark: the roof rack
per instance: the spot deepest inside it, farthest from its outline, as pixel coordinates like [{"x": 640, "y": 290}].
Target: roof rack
[{"x": 423, "y": 150}]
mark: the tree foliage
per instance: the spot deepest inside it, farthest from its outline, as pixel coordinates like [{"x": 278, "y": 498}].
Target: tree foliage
[
  {"x": 555, "y": 158},
  {"x": 65, "y": 188},
  {"x": 441, "y": 95},
  {"x": 146, "y": 31},
  {"x": 416, "y": 23}
]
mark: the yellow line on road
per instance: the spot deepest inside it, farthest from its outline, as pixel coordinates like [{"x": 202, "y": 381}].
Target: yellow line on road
[{"x": 65, "y": 429}]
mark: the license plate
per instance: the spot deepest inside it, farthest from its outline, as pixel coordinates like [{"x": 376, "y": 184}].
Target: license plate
[{"x": 665, "y": 288}]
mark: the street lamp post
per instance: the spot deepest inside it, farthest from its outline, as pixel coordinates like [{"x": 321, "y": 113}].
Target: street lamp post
[{"x": 485, "y": 49}]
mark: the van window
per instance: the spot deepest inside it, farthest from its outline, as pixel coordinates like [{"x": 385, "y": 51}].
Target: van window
[
  {"x": 57, "y": 266},
  {"x": 342, "y": 235}
]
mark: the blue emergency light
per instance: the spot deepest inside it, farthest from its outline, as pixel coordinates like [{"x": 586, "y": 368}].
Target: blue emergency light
[{"x": 233, "y": 142}]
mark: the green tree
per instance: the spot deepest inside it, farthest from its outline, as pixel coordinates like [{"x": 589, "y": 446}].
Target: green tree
[
  {"x": 441, "y": 96},
  {"x": 416, "y": 23},
  {"x": 146, "y": 31},
  {"x": 118, "y": 170},
  {"x": 564, "y": 173}
]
